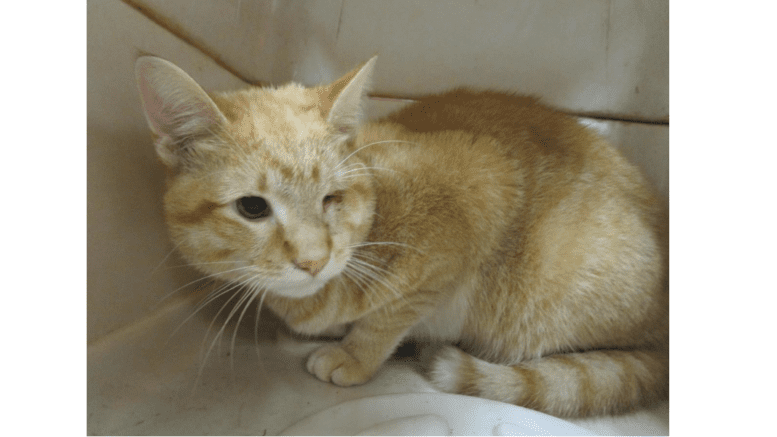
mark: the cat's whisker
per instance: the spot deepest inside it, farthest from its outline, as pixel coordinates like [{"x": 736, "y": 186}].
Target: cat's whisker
[
  {"x": 168, "y": 295},
  {"x": 218, "y": 335},
  {"x": 366, "y": 173},
  {"x": 245, "y": 298},
  {"x": 201, "y": 264},
  {"x": 371, "y": 144},
  {"x": 263, "y": 292},
  {"x": 224, "y": 289},
  {"x": 386, "y": 243},
  {"x": 165, "y": 258},
  {"x": 356, "y": 274},
  {"x": 374, "y": 270},
  {"x": 251, "y": 294},
  {"x": 374, "y": 274},
  {"x": 354, "y": 166},
  {"x": 353, "y": 174},
  {"x": 230, "y": 287},
  {"x": 204, "y": 355},
  {"x": 371, "y": 256},
  {"x": 213, "y": 295},
  {"x": 357, "y": 278},
  {"x": 242, "y": 281},
  {"x": 360, "y": 282},
  {"x": 200, "y": 279}
]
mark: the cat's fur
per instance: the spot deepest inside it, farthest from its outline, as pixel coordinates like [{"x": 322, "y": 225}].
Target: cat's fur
[{"x": 485, "y": 220}]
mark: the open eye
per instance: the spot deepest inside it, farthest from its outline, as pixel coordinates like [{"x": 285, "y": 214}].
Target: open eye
[
  {"x": 333, "y": 198},
  {"x": 253, "y": 207}
]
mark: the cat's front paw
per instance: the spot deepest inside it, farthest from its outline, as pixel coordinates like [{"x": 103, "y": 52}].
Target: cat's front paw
[{"x": 332, "y": 363}]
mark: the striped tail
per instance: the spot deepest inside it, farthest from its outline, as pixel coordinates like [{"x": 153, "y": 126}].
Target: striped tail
[{"x": 572, "y": 385}]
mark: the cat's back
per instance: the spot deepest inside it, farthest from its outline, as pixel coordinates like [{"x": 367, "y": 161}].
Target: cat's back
[
  {"x": 510, "y": 118},
  {"x": 513, "y": 166},
  {"x": 535, "y": 136},
  {"x": 546, "y": 150},
  {"x": 466, "y": 109}
]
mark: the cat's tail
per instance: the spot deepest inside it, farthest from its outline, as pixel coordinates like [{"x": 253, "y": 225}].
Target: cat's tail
[{"x": 571, "y": 384}]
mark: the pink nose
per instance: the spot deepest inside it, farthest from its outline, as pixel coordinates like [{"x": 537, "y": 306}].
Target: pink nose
[{"x": 312, "y": 266}]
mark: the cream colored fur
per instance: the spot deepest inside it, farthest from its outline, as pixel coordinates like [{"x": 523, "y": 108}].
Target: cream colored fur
[{"x": 481, "y": 219}]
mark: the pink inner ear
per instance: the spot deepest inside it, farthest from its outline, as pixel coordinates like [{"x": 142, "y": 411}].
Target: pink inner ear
[{"x": 343, "y": 130}]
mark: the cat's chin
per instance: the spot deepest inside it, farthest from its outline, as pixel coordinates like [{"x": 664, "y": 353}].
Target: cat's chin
[{"x": 297, "y": 291}]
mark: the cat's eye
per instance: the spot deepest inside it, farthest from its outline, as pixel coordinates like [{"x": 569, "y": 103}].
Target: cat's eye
[{"x": 253, "y": 207}]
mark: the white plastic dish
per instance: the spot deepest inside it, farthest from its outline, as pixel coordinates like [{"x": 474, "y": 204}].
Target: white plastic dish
[{"x": 431, "y": 414}]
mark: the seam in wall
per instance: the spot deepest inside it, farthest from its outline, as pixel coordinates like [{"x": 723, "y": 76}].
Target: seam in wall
[
  {"x": 595, "y": 115},
  {"x": 618, "y": 117},
  {"x": 187, "y": 38}
]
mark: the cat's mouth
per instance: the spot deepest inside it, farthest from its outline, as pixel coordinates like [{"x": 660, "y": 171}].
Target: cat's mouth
[
  {"x": 298, "y": 289},
  {"x": 290, "y": 281},
  {"x": 295, "y": 283}
]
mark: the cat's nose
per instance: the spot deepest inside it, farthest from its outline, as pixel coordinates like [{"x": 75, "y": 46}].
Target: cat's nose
[{"x": 312, "y": 266}]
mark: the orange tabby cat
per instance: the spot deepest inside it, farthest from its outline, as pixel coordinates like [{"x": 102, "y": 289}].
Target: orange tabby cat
[{"x": 480, "y": 219}]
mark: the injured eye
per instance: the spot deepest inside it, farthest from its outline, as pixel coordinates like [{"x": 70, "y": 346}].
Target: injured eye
[
  {"x": 332, "y": 198},
  {"x": 253, "y": 208}
]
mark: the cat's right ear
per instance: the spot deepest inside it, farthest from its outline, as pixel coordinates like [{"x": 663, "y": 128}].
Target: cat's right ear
[{"x": 177, "y": 109}]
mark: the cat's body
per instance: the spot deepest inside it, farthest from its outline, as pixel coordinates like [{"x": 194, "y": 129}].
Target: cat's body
[{"x": 480, "y": 219}]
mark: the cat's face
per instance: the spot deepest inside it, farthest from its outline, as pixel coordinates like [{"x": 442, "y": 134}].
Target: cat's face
[{"x": 264, "y": 186}]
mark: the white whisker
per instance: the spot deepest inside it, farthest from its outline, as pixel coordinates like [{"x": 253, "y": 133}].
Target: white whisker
[
  {"x": 385, "y": 243},
  {"x": 217, "y": 336},
  {"x": 356, "y": 170},
  {"x": 368, "y": 145},
  {"x": 213, "y": 295},
  {"x": 204, "y": 356},
  {"x": 376, "y": 275},
  {"x": 165, "y": 258},
  {"x": 200, "y": 279},
  {"x": 372, "y": 272},
  {"x": 201, "y": 264},
  {"x": 251, "y": 295},
  {"x": 360, "y": 282},
  {"x": 256, "y": 323}
]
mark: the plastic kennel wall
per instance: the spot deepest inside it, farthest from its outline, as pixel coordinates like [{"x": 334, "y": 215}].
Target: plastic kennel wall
[{"x": 603, "y": 60}]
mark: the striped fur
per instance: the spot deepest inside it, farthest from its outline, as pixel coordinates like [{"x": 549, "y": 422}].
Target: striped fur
[
  {"x": 479, "y": 219},
  {"x": 570, "y": 384}
]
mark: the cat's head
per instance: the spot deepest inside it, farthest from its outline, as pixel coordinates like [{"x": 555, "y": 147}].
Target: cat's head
[{"x": 264, "y": 187}]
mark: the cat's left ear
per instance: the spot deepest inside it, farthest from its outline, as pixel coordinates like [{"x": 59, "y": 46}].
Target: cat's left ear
[{"x": 342, "y": 102}]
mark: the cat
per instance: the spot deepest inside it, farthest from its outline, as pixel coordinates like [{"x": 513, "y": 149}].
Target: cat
[{"x": 487, "y": 221}]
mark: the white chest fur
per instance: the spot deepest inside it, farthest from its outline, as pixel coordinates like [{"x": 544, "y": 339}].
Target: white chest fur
[{"x": 447, "y": 321}]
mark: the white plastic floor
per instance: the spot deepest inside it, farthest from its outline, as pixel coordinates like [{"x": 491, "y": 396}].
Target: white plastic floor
[{"x": 149, "y": 379}]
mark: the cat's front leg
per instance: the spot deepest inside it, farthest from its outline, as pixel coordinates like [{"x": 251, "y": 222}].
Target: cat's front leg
[
  {"x": 354, "y": 360},
  {"x": 338, "y": 365},
  {"x": 370, "y": 342},
  {"x": 335, "y": 331}
]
